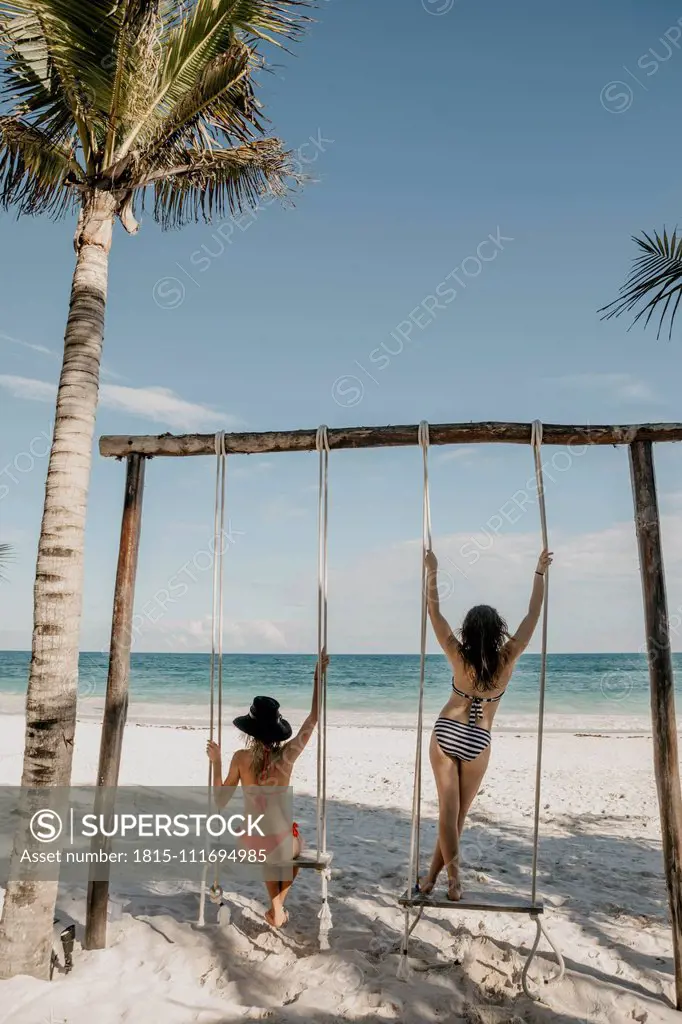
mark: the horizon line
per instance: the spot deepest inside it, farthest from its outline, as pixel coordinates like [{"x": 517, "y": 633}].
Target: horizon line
[{"x": 339, "y": 654}]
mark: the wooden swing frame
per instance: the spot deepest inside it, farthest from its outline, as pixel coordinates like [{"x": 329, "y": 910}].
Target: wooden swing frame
[{"x": 638, "y": 437}]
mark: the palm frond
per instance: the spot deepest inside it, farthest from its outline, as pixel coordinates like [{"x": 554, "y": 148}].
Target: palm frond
[
  {"x": 6, "y": 555},
  {"x": 219, "y": 183},
  {"x": 220, "y": 109},
  {"x": 29, "y": 85},
  {"x": 121, "y": 94},
  {"x": 135, "y": 65},
  {"x": 34, "y": 171},
  {"x": 208, "y": 29},
  {"x": 655, "y": 280},
  {"x": 76, "y": 41}
]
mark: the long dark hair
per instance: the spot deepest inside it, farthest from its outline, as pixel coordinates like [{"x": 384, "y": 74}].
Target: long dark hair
[{"x": 481, "y": 638}]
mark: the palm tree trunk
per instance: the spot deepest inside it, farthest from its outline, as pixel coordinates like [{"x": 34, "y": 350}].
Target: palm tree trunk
[{"x": 26, "y": 926}]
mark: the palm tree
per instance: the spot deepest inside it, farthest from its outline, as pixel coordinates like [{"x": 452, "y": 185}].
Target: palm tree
[
  {"x": 655, "y": 281},
  {"x": 108, "y": 105},
  {"x": 5, "y": 557}
]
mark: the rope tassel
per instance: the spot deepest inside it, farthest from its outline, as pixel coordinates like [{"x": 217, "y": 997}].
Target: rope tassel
[
  {"x": 404, "y": 972},
  {"x": 325, "y": 914}
]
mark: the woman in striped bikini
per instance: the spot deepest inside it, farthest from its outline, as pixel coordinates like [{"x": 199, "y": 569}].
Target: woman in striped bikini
[{"x": 482, "y": 656}]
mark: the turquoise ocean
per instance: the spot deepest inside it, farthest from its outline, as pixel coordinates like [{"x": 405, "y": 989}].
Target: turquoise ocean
[{"x": 375, "y": 686}]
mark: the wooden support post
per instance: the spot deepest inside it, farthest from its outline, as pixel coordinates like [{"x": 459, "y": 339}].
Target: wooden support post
[
  {"x": 116, "y": 704},
  {"x": 666, "y": 761}
]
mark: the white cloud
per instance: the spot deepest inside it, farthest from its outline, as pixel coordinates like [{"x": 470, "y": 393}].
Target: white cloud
[
  {"x": 28, "y": 388},
  {"x": 596, "y": 602},
  {"x": 163, "y": 406},
  {"x": 622, "y": 386},
  {"x": 374, "y": 599},
  {"x": 43, "y": 350},
  {"x": 246, "y": 635},
  {"x": 28, "y": 344},
  {"x": 105, "y": 371},
  {"x": 152, "y": 403}
]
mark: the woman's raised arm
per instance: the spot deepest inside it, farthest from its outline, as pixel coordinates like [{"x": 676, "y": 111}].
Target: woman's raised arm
[
  {"x": 441, "y": 626},
  {"x": 297, "y": 745},
  {"x": 524, "y": 633}
]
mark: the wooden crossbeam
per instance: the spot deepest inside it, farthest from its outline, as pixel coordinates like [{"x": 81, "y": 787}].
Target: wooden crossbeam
[
  {"x": 491, "y": 901},
  {"x": 180, "y": 445}
]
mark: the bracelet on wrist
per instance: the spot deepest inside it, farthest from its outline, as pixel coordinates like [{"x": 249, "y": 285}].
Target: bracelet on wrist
[{"x": 539, "y": 574}]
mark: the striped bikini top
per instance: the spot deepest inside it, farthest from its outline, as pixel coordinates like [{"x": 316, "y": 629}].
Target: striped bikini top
[{"x": 476, "y": 710}]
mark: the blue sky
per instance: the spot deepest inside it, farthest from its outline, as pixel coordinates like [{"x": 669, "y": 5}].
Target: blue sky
[{"x": 428, "y": 128}]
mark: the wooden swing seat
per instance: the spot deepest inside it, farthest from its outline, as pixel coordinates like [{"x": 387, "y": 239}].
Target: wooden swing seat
[
  {"x": 308, "y": 859},
  {"x": 493, "y": 901}
]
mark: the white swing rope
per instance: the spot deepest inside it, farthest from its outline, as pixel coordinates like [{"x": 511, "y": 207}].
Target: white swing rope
[
  {"x": 217, "y": 619},
  {"x": 325, "y": 916},
  {"x": 536, "y": 442},
  {"x": 403, "y": 966}
]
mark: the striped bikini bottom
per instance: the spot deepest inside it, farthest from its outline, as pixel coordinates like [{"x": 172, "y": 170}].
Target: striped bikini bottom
[{"x": 461, "y": 740}]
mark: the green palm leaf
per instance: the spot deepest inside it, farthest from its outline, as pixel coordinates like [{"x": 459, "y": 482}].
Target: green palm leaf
[
  {"x": 655, "y": 281},
  {"x": 208, "y": 30},
  {"x": 28, "y": 78},
  {"x": 132, "y": 59},
  {"x": 110, "y": 94},
  {"x": 221, "y": 182},
  {"x": 6, "y": 555},
  {"x": 71, "y": 42},
  {"x": 221, "y": 103},
  {"x": 34, "y": 171}
]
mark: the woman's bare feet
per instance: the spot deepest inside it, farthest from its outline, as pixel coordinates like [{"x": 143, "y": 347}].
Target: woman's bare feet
[
  {"x": 454, "y": 888},
  {"x": 425, "y": 888},
  {"x": 277, "y": 917}
]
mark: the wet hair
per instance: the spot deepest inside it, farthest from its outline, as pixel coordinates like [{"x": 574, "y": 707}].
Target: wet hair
[
  {"x": 481, "y": 638},
  {"x": 263, "y": 755}
]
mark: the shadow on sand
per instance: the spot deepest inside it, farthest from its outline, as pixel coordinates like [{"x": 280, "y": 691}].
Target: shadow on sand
[{"x": 465, "y": 968}]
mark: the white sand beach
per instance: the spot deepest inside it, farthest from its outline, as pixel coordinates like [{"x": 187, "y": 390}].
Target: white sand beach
[{"x": 600, "y": 876}]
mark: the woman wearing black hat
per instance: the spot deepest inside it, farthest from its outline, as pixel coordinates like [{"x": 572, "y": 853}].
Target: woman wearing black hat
[{"x": 267, "y": 760}]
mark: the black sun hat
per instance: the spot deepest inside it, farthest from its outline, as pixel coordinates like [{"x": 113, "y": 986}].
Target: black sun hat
[{"x": 264, "y": 721}]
